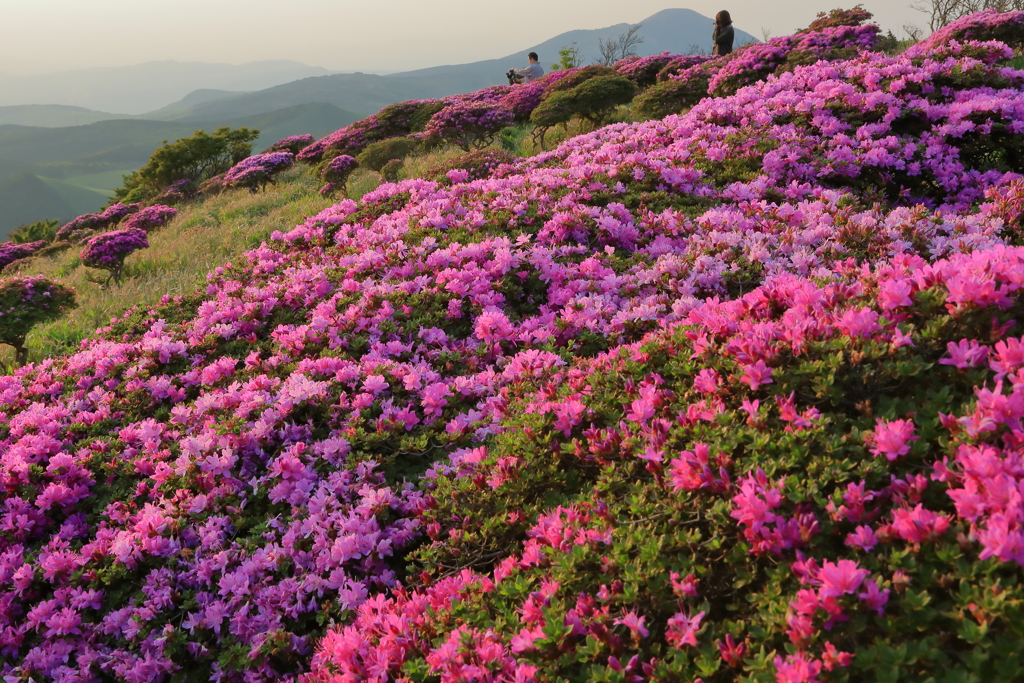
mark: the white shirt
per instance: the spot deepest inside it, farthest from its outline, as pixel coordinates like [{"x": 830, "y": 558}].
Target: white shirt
[{"x": 530, "y": 73}]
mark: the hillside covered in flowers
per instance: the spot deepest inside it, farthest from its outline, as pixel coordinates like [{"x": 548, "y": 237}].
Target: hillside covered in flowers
[{"x": 729, "y": 395}]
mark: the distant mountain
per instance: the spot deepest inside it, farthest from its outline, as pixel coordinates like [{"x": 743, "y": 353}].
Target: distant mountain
[
  {"x": 127, "y": 143},
  {"x": 63, "y": 172},
  {"x": 52, "y": 115},
  {"x": 355, "y": 92},
  {"x": 183, "y": 106},
  {"x": 26, "y": 198},
  {"x": 677, "y": 30},
  {"x": 146, "y": 87}
]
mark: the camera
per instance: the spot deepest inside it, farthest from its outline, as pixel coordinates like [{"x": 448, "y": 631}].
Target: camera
[{"x": 511, "y": 76}]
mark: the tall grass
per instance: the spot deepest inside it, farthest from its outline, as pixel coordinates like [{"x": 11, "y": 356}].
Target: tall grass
[{"x": 204, "y": 235}]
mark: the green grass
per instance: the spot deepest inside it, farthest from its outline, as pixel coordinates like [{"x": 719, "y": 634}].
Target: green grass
[
  {"x": 203, "y": 236},
  {"x": 1017, "y": 62}
]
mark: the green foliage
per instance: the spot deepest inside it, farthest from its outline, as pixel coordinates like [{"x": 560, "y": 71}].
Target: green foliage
[
  {"x": 592, "y": 100},
  {"x": 197, "y": 158},
  {"x": 378, "y": 154},
  {"x": 584, "y": 74},
  {"x": 27, "y": 302},
  {"x": 44, "y": 230},
  {"x": 391, "y": 170},
  {"x": 569, "y": 57},
  {"x": 670, "y": 97}
]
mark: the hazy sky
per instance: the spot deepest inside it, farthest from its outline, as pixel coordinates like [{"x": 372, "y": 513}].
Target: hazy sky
[{"x": 37, "y": 36}]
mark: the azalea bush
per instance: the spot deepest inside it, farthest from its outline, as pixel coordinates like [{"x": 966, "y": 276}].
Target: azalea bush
[
  {"x": 82, "y": 227},
  {"x": 293, "y": 144},
  {"x": 378, "y": 154},
  {"x": 336, "y": 173},
  {"x": 11, "y": 252},
  {"x": 469, "y": 124},
  {"x": 475, "y": 165},
  {"x": 730, "y": 394},
  {"x": 26, "y": 302},
  {"x": 258, "y": 171},
  {"x": 150, "y": 218},
  {"x": 109, "y": 250}
]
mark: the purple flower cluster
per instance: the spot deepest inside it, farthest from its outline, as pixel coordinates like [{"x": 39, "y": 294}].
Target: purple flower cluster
[
  {"x": 644, "y": 70},
  {"x": 87, "y": 224},
  {"x": 987, "y": 25},
  {"x": 336, "y": 172},
  {"x": 109, "y": 250},
  {"x": 469, "y": 124},
  {"x": 293, "y": 144},
  {"x": 11, "y": 252},
  {"x": 150, "y": 218},
  {"x": 257, "y": 171}
]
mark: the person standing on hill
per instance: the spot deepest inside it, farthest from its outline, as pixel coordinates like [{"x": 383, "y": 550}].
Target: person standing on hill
[
  {"x": 723, "y": 34},
  {"x": 530, "y": 73}
]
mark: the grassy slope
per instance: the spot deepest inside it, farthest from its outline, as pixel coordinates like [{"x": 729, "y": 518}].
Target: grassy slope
[{"x": 203, "y": 236}]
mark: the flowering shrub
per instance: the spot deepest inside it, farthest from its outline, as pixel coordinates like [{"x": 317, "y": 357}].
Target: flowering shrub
[
  {"x": 11, "y": 252},
  {"x": 336, "y": 172},
  {"x": 469, "y": 124},
  {"x": 1007, "y": 27},
  {"x": 109, "y": 250},
  {"x": 292, "y": 144},
  {"x": 258, "y": 171},
  {"x": 678, "y": 65},
  {"x": 87, "y": 224},
  {"x": 856, "y": 16},
  {"x": 729, "y": 394},
  {"x": 643, "y": 71},
  {"x": 26, "y": 302},
  {"x": 178, "y": 192},
  {"x": 150, "y": 218}
]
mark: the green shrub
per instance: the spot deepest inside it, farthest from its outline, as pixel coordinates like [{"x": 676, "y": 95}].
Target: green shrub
[
  {"x": 197, "y": 158},
  {"x": 581, "y": 76},
  {"x": 378, "y": 154},
  {"x": 27, "y": 302},
  {"x": 592, "y": 100},
  {"x": 670, "y": 97},
  {"x": 43, "y": 230},
  {"x": 391, "y": 170}
]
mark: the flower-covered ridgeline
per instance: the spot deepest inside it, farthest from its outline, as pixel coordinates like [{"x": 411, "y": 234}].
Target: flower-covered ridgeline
[
  {"x": 989, "y": 24},
  {"x": 206, "y": 487},
  {"x": 799, "y": 485},
  {"x": 836, "y": 36}
]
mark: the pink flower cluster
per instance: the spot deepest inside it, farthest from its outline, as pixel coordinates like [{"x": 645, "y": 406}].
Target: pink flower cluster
[
  {"x": 11, "y": 252},
  {"x": 109, "y": 250},
  {"x": 150, "y": 218},
  {"x": 257, "y": 171}
]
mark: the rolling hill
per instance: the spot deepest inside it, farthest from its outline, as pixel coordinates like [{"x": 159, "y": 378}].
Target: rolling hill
[
  {"x": 63, "y": 172},
  {"x": 140, "y": 88}
]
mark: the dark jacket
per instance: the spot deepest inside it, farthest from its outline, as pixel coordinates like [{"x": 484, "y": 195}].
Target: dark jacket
[{"x": 722, "y": 38}]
